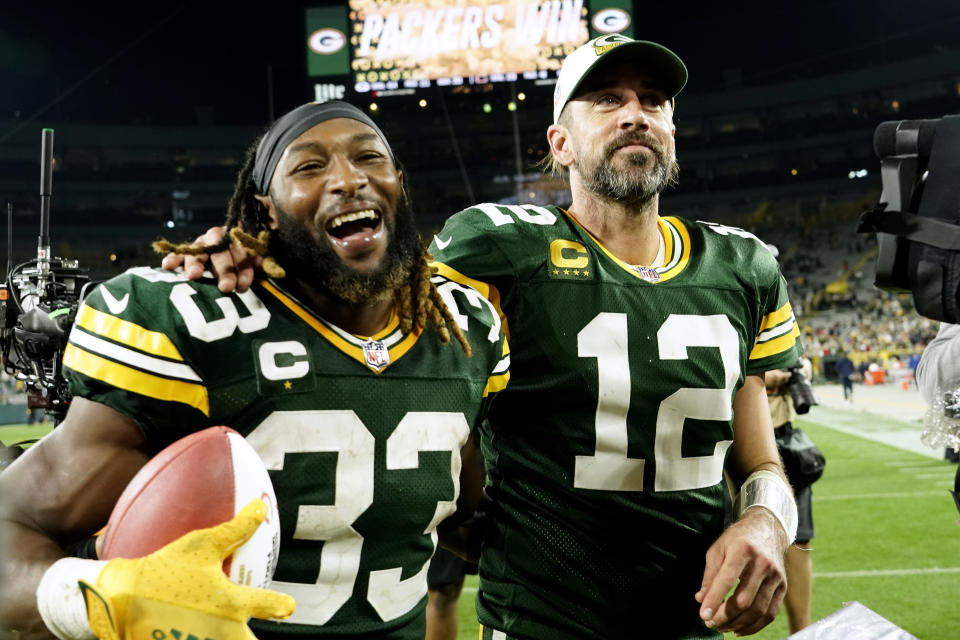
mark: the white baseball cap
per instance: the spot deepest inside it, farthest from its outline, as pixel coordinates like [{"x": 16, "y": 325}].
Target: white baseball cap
[{"x": 665, "y": 66}]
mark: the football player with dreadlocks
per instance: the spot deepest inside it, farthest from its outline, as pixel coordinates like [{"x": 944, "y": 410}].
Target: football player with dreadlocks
[{"x": 336, "y": 367}]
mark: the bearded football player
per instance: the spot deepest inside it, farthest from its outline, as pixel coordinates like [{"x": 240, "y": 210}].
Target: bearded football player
[
  {"x": 355, "y": 372},
  {"x": 639, "y": 342}
]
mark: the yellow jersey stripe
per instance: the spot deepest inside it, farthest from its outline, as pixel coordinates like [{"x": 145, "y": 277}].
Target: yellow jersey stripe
[
  {"x": 132, "y": 358},
  {"x": 488, "y": 291},
  {"x": 667, "y": 240},
  {"x": 501, "y": 373},
  {"x": 127, "y": 333},
  {"x": 128, "y": 379},
  {"x": 670, "y": 221},
  {"x": 777, "y": 345},
  {"x": 496, "y": 383},
  {"x": 779, "y": 316},
  {"x": 776, "y": 332}
]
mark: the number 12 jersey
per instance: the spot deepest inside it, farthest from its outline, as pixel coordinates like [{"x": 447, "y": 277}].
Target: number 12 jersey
[{"x": 605, "y": 454}]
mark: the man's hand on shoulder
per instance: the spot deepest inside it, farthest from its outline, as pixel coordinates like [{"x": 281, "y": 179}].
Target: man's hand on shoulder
[
  {"x": 234, "y": 268},
  {"x": 750, "y": 552}
]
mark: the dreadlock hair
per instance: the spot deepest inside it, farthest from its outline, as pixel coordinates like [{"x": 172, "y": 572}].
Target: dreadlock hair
[{"x": 418, "y": 300}]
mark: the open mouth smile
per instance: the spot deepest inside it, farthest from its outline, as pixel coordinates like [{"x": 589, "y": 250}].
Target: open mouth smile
[{"x": 355, "y": 231}]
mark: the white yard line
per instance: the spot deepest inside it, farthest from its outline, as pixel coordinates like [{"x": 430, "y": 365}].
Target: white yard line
[
  {"x": 880, "y": 496},
  {"x": 880, "y": 573}
]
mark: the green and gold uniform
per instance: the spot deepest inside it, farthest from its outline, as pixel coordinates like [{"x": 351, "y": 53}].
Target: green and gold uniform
[
  {"x": 605, "y": 455},
  {"x": 361, "y": 434}
]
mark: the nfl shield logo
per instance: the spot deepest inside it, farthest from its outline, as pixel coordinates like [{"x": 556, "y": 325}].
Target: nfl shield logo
[
  {"x": 376, "y": 354},
  {"x": 648, "y": 274}
]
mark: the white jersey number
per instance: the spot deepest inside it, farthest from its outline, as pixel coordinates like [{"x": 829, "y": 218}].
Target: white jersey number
[
  {"x": 342, "y": 432},
  {"x": 609, "y": 468}
]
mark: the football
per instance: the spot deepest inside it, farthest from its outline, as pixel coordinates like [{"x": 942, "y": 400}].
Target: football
[{"x": 199, "y": 481}]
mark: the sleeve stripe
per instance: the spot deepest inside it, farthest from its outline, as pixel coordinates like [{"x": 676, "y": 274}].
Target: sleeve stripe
[
  {"x": 496, "y": 383},
  {"x": 134, "y": 359},
  {"x": 502, "y": 366},
  {"x": 770, "y": 334},
  {"x": 779, "y": 316},
  {"x": 488, "y": 291},
  {"x": 128, "y": 379},
  {"x": 128, "y": 333},
  {"x": 777, "y": 345}
]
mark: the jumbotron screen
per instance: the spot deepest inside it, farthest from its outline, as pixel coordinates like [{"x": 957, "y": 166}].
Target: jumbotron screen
[{"x": 411, "y": 44}]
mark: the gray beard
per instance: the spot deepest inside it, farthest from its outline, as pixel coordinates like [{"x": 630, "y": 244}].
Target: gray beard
[{"x": 639, "y": 183}]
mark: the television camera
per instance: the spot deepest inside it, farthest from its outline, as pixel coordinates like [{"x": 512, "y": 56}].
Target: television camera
[
  {"x": 38, "y": 304},
  {"x": 917, "y": 220}
]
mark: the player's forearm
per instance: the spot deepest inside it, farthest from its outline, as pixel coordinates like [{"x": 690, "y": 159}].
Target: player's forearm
[
  {"x": 28, "y": 554},
  {"x": 754, "y": 447}
]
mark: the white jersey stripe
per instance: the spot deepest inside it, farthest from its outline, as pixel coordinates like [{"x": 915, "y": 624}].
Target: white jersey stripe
[{"x": 136, "y": 359}]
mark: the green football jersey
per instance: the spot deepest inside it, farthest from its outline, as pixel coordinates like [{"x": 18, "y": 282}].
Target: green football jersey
[
  {"x": 361, "y": 434},
  {"x": 605, "y": 454}
]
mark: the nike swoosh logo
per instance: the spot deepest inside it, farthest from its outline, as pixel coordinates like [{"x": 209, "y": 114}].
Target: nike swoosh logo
[
  {"x": 116, "y": 306},
  {"x": 442, "y": 244}
]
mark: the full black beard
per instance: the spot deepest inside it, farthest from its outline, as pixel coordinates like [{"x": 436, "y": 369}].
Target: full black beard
[
  {"x": 317, "y": 264},
  {"x": 635, "y": 185}
]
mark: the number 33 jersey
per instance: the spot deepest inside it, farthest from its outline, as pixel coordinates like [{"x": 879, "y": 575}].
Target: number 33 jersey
[
  {"x": 362, "y": 435},
  {"x": 605, "y": 454}
]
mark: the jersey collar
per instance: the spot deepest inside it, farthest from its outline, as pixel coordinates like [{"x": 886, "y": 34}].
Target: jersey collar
[
  {"x": 356, "y": 347},
  {"x": 676, "y": 240}
]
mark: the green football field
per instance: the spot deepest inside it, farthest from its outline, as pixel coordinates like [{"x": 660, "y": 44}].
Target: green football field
[
  {"x": 13, "y": 433},
  {"x": 886, "y": 536}
]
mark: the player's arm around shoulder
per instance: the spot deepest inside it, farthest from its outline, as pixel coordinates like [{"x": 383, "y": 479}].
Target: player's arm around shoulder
[
  {"x": 749, "y": 554},
  {"x": 61, "y": 489}
]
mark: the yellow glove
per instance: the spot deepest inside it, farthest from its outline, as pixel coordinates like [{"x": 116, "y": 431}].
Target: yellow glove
[{"x": 181, "y": 591}]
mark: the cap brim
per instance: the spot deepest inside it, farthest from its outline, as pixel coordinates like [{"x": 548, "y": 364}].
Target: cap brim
[{"x": 665, "y": 67}]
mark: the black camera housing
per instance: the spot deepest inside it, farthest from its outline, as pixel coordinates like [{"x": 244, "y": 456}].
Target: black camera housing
[
  {"x": 800, "y": 390},
  {"x": 917, "y": 220}
]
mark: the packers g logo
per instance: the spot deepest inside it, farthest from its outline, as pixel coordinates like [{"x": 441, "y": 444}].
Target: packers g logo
[
  {"x": 604, "y": 43},
  {"x": 611, "y": 20},
  {"x": 569, "y": 260},
  {"x": 326, "y": 41}
]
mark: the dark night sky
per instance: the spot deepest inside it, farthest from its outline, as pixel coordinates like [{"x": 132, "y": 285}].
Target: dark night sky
[{"x": 153, "y": 63}]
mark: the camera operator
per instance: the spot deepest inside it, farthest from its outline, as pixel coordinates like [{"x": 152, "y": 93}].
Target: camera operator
[{"x": 798, "y": 563}]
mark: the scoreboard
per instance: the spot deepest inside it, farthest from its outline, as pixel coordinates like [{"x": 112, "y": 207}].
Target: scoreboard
[{"x": 400, "y": 46}]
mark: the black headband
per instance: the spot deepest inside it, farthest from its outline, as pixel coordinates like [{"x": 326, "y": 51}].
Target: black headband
[{"x": 289, "y": 127}]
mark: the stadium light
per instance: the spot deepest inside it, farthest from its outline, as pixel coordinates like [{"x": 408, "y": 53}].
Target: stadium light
[
  {"x": 171, "y": 224},
  {"x": 487, "y": 108},
  {"x": 521, "y": 96},
  {"x": 511, "y": 106},
  {"x": 113, "y": 257},
  {"x": 373, "y": 106},
  {"x": 793, "y": 172},
  {"x": 422, "y": 103}
]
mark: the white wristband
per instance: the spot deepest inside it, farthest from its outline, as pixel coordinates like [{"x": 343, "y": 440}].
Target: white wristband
[
  {"x": 768, "y": 490},
  {"x": 60, "y": 601}
]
